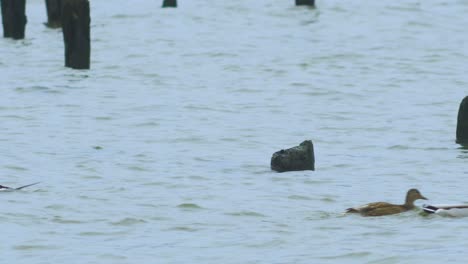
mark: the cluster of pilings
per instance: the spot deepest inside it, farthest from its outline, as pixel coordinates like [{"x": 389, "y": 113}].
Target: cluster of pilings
[
  {"x": 76, "y": 34},
  {"x": 54, "y": 13},
  {"x": 72, "y": 15},
  {"x": 14, "y": 18}
]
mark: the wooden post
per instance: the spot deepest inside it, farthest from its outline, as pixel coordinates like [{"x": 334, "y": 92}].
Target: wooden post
[
  {"x": 14, "y": 18},
  {"x": 298, "y": 158},
  {"x": 54, "y": 13},
  {"x": 462, "y": 122},
  {"x": 76, "y": 33},
  {"x": 169, "y": 3},
  {"x": 305, "y": 2}
]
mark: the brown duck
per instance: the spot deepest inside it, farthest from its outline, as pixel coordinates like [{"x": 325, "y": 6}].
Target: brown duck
[{"x": 383, "y": 208}]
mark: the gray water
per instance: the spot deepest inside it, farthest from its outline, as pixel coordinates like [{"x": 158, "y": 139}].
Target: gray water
[{"x": 160, "y": 153}]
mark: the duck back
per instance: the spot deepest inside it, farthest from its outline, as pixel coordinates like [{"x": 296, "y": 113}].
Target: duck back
[{"x": 378, "y": 209}]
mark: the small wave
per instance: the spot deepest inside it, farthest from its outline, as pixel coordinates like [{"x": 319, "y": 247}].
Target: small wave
[
  {"x": 57, "y": 207},
  {"x": 327, "y": 199},
  {"x": 148, "y": 124},
  {"x": 91, "y": 177},
  {"x": 398, "y": 147},
  {"x": 34, "y": 247},
  {"x": 16, "y": 168},
  {"x": 246, "y": 213},
  {"x": 131, "y": 16},
  {"x": 299, "y": 197},
  {"x": 60, "y": 220},
  {"x": 36, "y": 88},
  {"x": 137, "y": 168},
  {"x": 111, "y": 256},
  {"x": 349, "y": 255},
  {"x": 128, "y": 222},
  {"x": 189, "y": 206},
  {"x": 183, "y": 228},
  {"x": 95, "y": 233}
]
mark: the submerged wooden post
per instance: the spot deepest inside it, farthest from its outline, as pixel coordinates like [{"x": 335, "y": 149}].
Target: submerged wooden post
[
  {"x": 14, "y": 18},
  {"x": 76, "y": 33},
  {"x": 169, "y": 3},
  {"x": 462, "y": 122},
  {"x": 297, "y": 158},
  {"x": 305, "y": 2},
  {"x": 54, "y": 13}
]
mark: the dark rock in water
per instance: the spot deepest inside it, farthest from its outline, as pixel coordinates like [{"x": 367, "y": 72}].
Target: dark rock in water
[
  {"x": 294, "y": 159},
  {"x": 462, "y": 123},
  {"x": 169, "y": 3},
  {"x": 54, "y": 13},
  {"x": 14, "y": 18},
  {"x": 76, "y": 33},
  {"x": 305, "y": 2}
]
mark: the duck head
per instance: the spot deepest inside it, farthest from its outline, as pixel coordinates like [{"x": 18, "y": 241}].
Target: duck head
[{"x": 413, "y": 195}]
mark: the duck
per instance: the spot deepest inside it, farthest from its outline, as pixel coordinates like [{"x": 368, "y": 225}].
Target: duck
[
  {"x": 459, "y": 210},
  {"x": 6, "y": 188},
  {"x": 383, "y": 208}
]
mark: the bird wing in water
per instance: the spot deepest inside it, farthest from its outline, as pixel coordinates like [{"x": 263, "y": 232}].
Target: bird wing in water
[{"x": 19, "y": 188}]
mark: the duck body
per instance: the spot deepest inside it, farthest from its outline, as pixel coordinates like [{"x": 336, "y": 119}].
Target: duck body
[
  {"x": 447, "y": 210},
  {"x": 384, "y": 208},
  {"x": 379, "y": 208}
]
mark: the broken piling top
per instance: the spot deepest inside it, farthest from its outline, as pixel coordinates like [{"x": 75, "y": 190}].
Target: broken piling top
[
  {"x": 54, "y": 13},
  {"x": 305, "y": 2},
  {"x": 297, "y": 158},
  {"x": 76, "y": 33},
  {"x": 13, "y": 18},
  {"x": 169, "y": 3},
  {"x": 462, "y": 122}
]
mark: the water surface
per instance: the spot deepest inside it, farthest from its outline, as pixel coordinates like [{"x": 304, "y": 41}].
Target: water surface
[{"x": 160, "y": 153}]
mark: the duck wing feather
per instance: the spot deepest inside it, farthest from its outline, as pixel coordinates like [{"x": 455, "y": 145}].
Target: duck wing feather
[{"x": 381, "y": 208}]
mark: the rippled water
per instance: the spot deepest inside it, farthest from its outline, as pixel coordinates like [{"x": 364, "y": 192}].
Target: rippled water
[{"x": 160, "y": 153}]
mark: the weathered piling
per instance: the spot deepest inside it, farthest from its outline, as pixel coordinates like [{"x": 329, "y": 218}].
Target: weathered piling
[
  {"x": 76, "y": 33},
  {"x": 462, "y": 122},
  {"x": 169, "y": 3},
  {"x": 54, "y": 13},
  {"x": 305, "y": 2},
  {"x": 14, "y": 18},
  {"x": 298, "y": 158}
]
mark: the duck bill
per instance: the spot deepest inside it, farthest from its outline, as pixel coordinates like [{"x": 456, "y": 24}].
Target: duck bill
[{"x": 424, "y": 198}]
